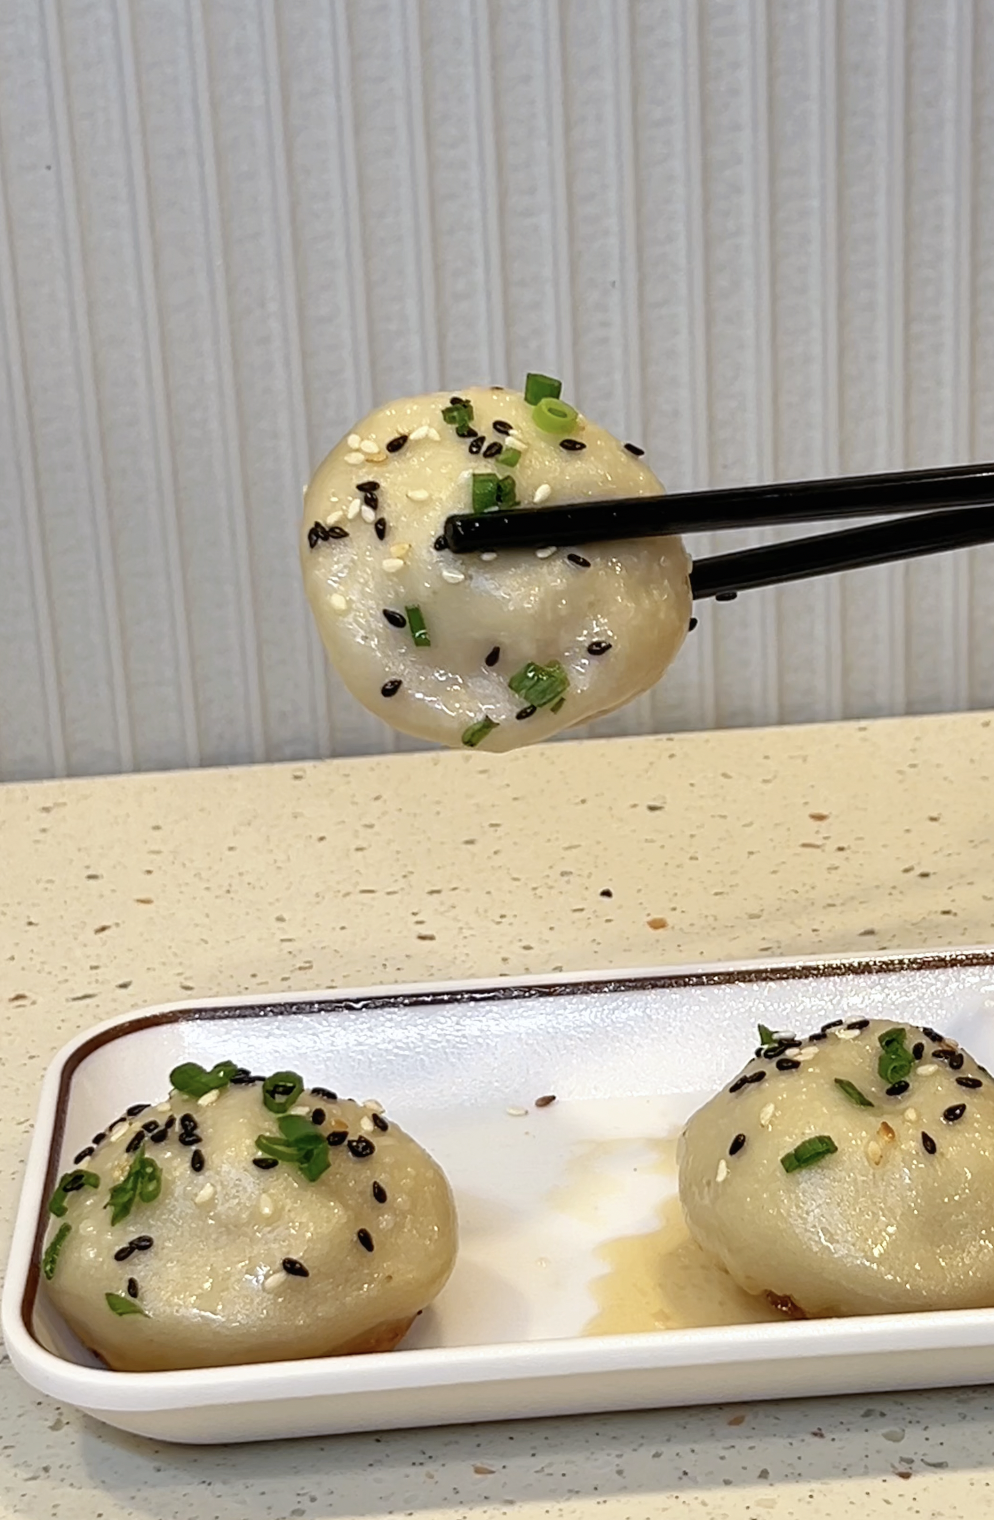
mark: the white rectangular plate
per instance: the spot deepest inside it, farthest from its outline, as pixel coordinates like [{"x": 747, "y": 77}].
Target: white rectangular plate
[{"x": 567, "y": 1212}]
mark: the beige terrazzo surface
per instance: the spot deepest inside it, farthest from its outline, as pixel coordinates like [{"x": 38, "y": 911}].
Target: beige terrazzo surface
[{"x": 120, "y": 892}]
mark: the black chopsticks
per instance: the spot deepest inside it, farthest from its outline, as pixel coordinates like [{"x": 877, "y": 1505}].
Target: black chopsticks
[{"x": 964, "y": 492}]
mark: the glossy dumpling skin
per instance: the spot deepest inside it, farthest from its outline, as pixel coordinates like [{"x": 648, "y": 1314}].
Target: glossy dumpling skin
[
  {"x": 630, "y": 601},
  {"x": 212, "y": 1287},
  {"x": 897, "y": 1218}
]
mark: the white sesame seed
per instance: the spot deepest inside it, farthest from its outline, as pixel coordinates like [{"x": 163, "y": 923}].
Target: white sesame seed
[
  {"x": 433, "y": 434},
  {"x": 911, "y": 1114},
  {"x": 514, "y": 442},
  {"x": 543, "y": 493},
  {"x": 391, "y": 566},
  {"x": 401, "y": 551},
  {"x": 367, "y": 1126},
  {"x": 162, "y": 1108},
  {"x": 338, "y": 602},
  {"x": 466, "y": 475},
  {"x": 209, "y": 1098},
  {"x": 368, "y": 446},
  {"x": 417, "y": 495},
  {"x": 373, "y": 1105},
  {"x": 453, "y": 577},
  {"x": 516, "y": 1112},
  {"x": 419, "y": 433},
  {"x": 766, "y": 1114},
  {"x": 355, "y": 458},
  {"x": 353, "y": 440},
  {"x": 265, "y": 1205},
  {"x": 490, "y": 554},
  {"x": 355, "y": 507},
  {"x": 722, "y": 1171},
  {"x": 272, "y": 1284},
  {"x": 805, "y": 1055},
  {"x": 302, "y": 1109},
  {"x": 546, "y": 552},
  {"x": 847, "y": 1034},
  {"x": 926, "y": 1071},
  {"x": 874, "y": 1153},
  {"x": 117, "y": 1127},
  {"x": 378, "y": 457},
  {"x": 206, "y": 1193},
  {"x": 368, "y": 515},
  {"x": 333, "y": 518}
]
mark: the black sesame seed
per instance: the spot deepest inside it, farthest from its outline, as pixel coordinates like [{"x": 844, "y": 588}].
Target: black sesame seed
[
  {"x": 361, "y": 1147},
  {"x": 578, "y": 559},
  {"x": 74, "y": 1184},
  {"x": 159, "y": 1135},
  {"x": 691, "y": 625},
  {"x": 571, "y": 445},
  {"x": 928, "y": 1143},
  {"x": 633, "y": 448},
  {"x": 833, "y": 1024},
  {"x": 493, "y": 449},
  {"x": 391, "y": 688},
  {"x": 132, "y": 1144},
  {"x": 87, "y": 1151},
  {"x": 338, "y": 1137},
  {"x": 458, "y": 401},
  {"x": 367, "y": 485},
  {"x": 440, "y": 543},
  {"x": 243, "y": 1078},
  {"x": 738, "y": 1084},
  {"x": 326, "y": 1093},
  {"x": 316, "y": 534},
  {"x": 725, "y": 596},
  {"x": 465, "y": 431},
  {"x": 756, "y": 1076},
  {"x": 968, "y": 1082},
  {"x": 821, "y": 1035},
  {"x": 858, "y": 1024},
  {"x": 786, "y": 1064},
  {"x": 170, "y": 1122},
  {"x": 99, "y": 1139},
  {"x": 493, "y": 656},
  {"x": 896, "y": 1089},
  {"x": 932, "y": 1034},
  {"x": 143, "y": 1242},
  {"x": 125, "y": 1251},
  {"x": 282, "y": 1089},
  {"x": 318, "y": 1116},
  {"x": 476, "y": 447},
  {"x": 956, "y": 1060},
  {"x": 132, "y": 1287},
  {"x": 150, "y": 1126},
  {"x": 365, "y": 1239},
  {"x": 736, "y": 1145},
  {"x": 396, "y": 444},
  {"x": 395, "y": 619},
  {"x": 265, "y": 1163},
  {"x": 379, "y": 1122},
  {"x": 379, "y": 1192},
  {"x": 953, "y": 1112},
  {"x": 918, "y": 1050},
  {"x": 294, "y": 1268},
  {"x": 136, "y": 1108},
  {"x": 500, "y": 426},
  {"x": 941, "y": 1055},
  {"x": 380, "y": 528},
  {"x": 197, "y": 1161},
  {"x": 526, "y": 712},
  {"x": 190, "y": 1137},
  {"x": 187, "y": 1121},
  {"x": 372, "y": 500},
  {"x": 599, "y": 646}
]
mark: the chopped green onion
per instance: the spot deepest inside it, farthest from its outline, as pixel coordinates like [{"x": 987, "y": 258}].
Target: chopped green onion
[
  {"x": 557, "y": 706},
  {"x": 484, "y": 493},
  {"x": 509, "y": 457},
  {"x": 853, "y": 1093},
  {"x": 896, "y": 1061},
  {"x": 50, "y": 1260},
  {"x": 143, "y": 1183},
  {"x": 71, "y": 1182},
  {"x": 458, "y": 415},
  {"x": 118, "y": 1304},
  {"x": 418, "y": 627},
  {"x": 507, "y": 491},
  {"x": 300, "y": 1143},
  {"x": 808, "y": 1153},
  {"x": 766, "y": 1036},
  {"x": 540, "y": 685},
  {"x": 281, "y": 1091},
  {"x": 555, "y": 416},
  {"x": 194, "y": 1081},
  {"x": 537, "y": 387},
  {"x": 477, "y": 732}
]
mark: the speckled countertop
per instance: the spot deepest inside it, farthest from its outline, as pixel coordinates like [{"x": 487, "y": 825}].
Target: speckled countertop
[{"x": 120, "y": 892}]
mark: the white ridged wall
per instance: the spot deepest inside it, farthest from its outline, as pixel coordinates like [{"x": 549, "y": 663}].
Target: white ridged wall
[{"x": 756, "y": 235}]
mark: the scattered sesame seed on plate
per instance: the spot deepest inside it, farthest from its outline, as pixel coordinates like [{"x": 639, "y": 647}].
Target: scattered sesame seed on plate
[
  {"x": 419, "y": 433},
  {"x": 209, "y": 1098},
  {"x": 353, "y": 440},
  {"x": 515, "y": 1111},
  {"x": 418, "y": 494},
  {"x": 546, "y": 552},
  {"x": 453, "y": 577},
  {"x": 355, "y": 458},
  {"x": 338, "y": 602},
  {"x": 368, "y": 515},
  {"x": 543, "y": 493},
  {"x": 722, "y": 1171},
  {"x": 206, "y": 1193},
  {"x": 391, "y": 566}
]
